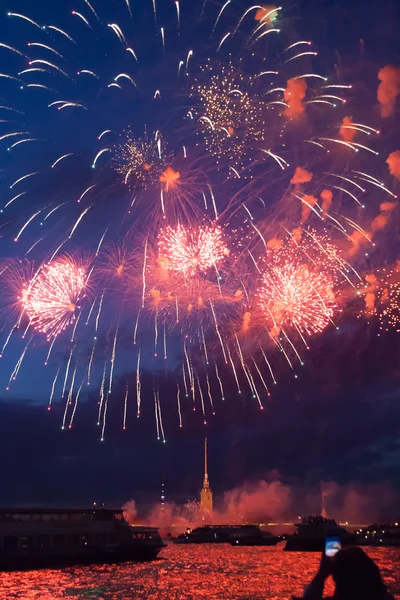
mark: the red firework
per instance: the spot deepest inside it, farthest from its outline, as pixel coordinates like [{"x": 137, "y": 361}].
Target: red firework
[
  {"x": 51, "y": 298},
  {"x": 297, "y": 294}
]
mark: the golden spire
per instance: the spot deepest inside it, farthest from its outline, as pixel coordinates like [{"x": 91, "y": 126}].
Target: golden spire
[
  {"x": 206, "y": 500},
  {"x": 206, "y": 483}
]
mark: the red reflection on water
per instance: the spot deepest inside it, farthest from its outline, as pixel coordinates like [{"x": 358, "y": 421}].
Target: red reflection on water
[{"x": 215, "y": 572}]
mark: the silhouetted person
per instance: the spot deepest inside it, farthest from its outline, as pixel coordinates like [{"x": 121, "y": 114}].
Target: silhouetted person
[{"x": 355, "y": 574}]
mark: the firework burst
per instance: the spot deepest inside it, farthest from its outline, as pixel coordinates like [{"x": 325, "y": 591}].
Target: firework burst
[
  {"x": 191, "y": 250},
  {"x": 141, "y": 161},
  {"x": 52, "y": 297}
]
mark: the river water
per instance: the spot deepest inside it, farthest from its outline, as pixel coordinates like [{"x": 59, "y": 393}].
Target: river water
[{"x": 214, "y": 572}]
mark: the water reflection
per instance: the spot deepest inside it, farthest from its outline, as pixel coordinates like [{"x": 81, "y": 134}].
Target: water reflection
[{"x": 187, "y": 572}]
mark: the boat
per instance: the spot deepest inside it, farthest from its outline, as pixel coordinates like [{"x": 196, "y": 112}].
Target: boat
[
  {"x": 312, "y": 533},
  {"x": 252, "y": 535},
  {"x": 53, "y": 538},
  {"x": 211, "y": 534},
  {"x": 379, "y": 534}
]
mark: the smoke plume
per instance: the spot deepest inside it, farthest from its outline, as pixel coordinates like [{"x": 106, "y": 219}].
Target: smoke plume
[
  {"x": 294, "y": 95},
  {"x": 388, "y": 89},
  {"x": 326, "y": 196},
  {"x": 301, "y": 176},
  {"x": 271, "y": 500},
  {"x": 393, "y": 161},
  {"x": 346, "y": 131}
]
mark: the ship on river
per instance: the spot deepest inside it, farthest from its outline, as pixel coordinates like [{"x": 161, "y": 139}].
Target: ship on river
[
  {"x": 312, "y": 533},
  {"x": 51, "y": 538},
  {"x": 379, "y": 534},
  {"x": 243, "y": 535}
]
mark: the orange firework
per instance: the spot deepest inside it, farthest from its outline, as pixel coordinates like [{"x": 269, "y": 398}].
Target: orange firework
[
  {"x": 190, "y": 250},
  {"x": 169, "y": 178},
  {"x": 51, "y": 298}
]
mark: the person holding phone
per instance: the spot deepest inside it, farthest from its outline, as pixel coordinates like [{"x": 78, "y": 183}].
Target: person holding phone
[{"x": 356, "y": 575}]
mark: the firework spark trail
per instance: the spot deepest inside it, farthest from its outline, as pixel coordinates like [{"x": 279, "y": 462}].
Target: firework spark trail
[
  {"x": 178, "y": 401},
  {"x": 155, "y": 333},
  {"x": 17, "y": 367},
  {"x": 260, "y": 376},
  {"x": 62, "y": 32},
  {"x": 165, "y": 343},
  {"x": 125, "y": 407},
  {"x": 144, "y": 273},
  {"x": 136, "y": 329},
  {"x": 75, "y": 326},
  {"x": 188, "y": 367},
  {"x": 220, "y": 14},
  {"x": 75, "y": 406},
  {"x": 67, "y": 371},
  {"x": 99, "y": 312},
  {"x": 16, "y": 239},
  {"x": 246, "y": 371},
  {"x": 160, "y": 416},
  {"x": 156, "y": 413},
  {"x": 219, "y": 381},
  {"x": 102, "y": 388},
  {"x": 89, "y": 370},
  {"x": 104, "y": 420},
  {"x": 49, "y": 352},
  {"x": 8, "y": 338},
  {"x": 53, "y": 387},
  {"x": 34, "y": 245},
  {"x": 79, "y": 220},
  {"x": 184, "y": 380},
  {"x": 218, "y": 332},
  {"x": 68, "y": 400},
  {"x": 90, "y": 311},
  {"x": 203, "y": 410},
  {"x": 204, "y": 344},
  {"x": 209, "y": 393},
  {"x": 234, "y": 371},
  {"x": 113, "y": 360}
]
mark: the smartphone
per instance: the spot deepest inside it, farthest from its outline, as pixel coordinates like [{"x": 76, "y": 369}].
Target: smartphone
[{"x": 332, "y": 546}]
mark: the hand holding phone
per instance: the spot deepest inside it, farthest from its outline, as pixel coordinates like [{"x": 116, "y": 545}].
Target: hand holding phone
[{"x": 332, "y": 546}]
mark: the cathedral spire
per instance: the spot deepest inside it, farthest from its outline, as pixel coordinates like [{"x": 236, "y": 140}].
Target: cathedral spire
[
  {"x": 206, "y": 499},
  {"x": 206, "y": 483}
]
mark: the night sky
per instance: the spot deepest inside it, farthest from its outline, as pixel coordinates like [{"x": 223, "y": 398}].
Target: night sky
[{"x": 338, "y": 421}]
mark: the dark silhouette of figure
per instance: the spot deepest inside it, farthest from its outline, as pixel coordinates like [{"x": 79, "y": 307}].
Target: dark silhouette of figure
[{"x": 355, "y": 574}]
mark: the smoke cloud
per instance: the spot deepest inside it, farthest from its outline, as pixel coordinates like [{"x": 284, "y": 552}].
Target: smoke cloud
[
  {"x": 346, "y": 132},
  {"x": 370, "y": 299},
  {"x": 294, "y": 95},
  {"x": 271, "y": 500},
  {"x": 326, "y": 196},
  {"x": 307, "y": 205},
  {"x": 388, "y": 89},
  {"x": 393, "y": 161},
  {"x": 301, "y": 176}
]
